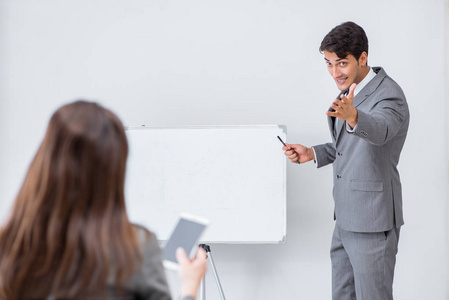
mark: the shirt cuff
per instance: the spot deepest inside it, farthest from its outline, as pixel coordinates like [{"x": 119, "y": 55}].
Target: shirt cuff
[
  {"x": 314, "y": 154},
  {"x": 349, "y": 129}
]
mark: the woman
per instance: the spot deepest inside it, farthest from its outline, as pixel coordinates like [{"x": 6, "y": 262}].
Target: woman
[{"x": 68, "y": 236}]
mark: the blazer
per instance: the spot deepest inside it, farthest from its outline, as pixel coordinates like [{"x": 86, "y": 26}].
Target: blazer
[
  {"x": 367, "y": 187},
  {"x": 148, "y": 282}
]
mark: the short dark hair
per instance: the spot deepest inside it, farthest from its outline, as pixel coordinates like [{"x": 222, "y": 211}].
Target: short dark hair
[{"x": 346, "y": 38}]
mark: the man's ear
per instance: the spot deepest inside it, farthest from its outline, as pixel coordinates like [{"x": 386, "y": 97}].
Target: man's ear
[{"x": 363, "y": 59}]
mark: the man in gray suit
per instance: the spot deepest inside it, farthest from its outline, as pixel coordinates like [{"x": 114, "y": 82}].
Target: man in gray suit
[{"x": 368, "y": 128}]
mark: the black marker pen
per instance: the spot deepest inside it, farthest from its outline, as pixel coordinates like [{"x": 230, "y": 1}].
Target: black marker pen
[{"x": 286, "y": 146}]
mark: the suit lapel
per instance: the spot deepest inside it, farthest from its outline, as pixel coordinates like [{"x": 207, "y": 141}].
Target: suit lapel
[
  {"x": 370, "y": 87},
  {"x": 339, "y": 125},
  {"x": 331, "y": 123}
]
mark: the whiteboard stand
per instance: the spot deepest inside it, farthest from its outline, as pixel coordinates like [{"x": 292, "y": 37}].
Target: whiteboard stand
[{"x": 203, "y": 280}]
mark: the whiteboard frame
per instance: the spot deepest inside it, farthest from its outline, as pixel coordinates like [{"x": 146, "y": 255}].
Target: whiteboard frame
[{"x": 281, "y": 131}]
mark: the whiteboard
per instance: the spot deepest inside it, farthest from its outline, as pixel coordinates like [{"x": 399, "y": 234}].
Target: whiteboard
[{"x": 235, "y": 176}]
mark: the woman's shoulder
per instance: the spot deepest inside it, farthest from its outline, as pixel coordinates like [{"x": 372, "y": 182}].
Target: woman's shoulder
[{"x": 144, "y": 236}]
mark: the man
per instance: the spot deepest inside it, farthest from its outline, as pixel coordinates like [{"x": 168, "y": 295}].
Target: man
[{"x": 368, "y": 128}]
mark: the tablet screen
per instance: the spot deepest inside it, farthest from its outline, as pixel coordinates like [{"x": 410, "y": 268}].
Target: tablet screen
[{"x": 186, "y": 235}]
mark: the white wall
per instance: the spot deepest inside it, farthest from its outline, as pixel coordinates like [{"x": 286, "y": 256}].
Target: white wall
[{"x": 175, "y": 62}]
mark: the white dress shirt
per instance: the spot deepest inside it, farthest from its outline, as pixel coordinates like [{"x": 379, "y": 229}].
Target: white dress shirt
[{"x": 357, "y": 89}]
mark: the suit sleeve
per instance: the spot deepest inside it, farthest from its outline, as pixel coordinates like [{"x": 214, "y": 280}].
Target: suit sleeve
[
  {"x": 385, "y": 119},
  {"x": 324, "y": 154}
]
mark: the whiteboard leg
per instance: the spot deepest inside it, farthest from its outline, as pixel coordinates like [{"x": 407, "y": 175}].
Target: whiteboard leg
[
  {"x": 203, "y": 288},
  {"x": 203, "y": 280},
  {"x": 217, "y": 280}
]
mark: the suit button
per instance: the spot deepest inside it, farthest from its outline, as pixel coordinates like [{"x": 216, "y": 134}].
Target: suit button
[{"x": 338, "y": 176}]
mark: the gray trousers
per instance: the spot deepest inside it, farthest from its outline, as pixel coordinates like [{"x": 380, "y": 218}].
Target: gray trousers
[{"x": 363, "y": 264}]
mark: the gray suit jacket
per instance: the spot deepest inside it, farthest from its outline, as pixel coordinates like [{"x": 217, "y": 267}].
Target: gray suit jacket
[{"x": 367, "y": 187}]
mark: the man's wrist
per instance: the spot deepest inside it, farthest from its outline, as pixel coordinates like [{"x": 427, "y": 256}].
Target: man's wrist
[
  {"x": 352, "y": 122},
  {"x": 311, "y": 153}
]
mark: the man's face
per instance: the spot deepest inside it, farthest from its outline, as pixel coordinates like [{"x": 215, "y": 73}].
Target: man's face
[{"x": 345, "y": 71}]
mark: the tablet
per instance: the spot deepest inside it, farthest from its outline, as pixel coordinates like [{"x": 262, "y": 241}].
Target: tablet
[{"x": 186, "y": 234}]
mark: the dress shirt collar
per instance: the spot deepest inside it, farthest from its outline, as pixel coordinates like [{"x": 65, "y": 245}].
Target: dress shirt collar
[{"x": 364, "y": 81}]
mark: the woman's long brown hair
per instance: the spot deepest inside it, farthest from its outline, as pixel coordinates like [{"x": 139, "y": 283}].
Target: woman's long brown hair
[{"x": 68, "y": 231}]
